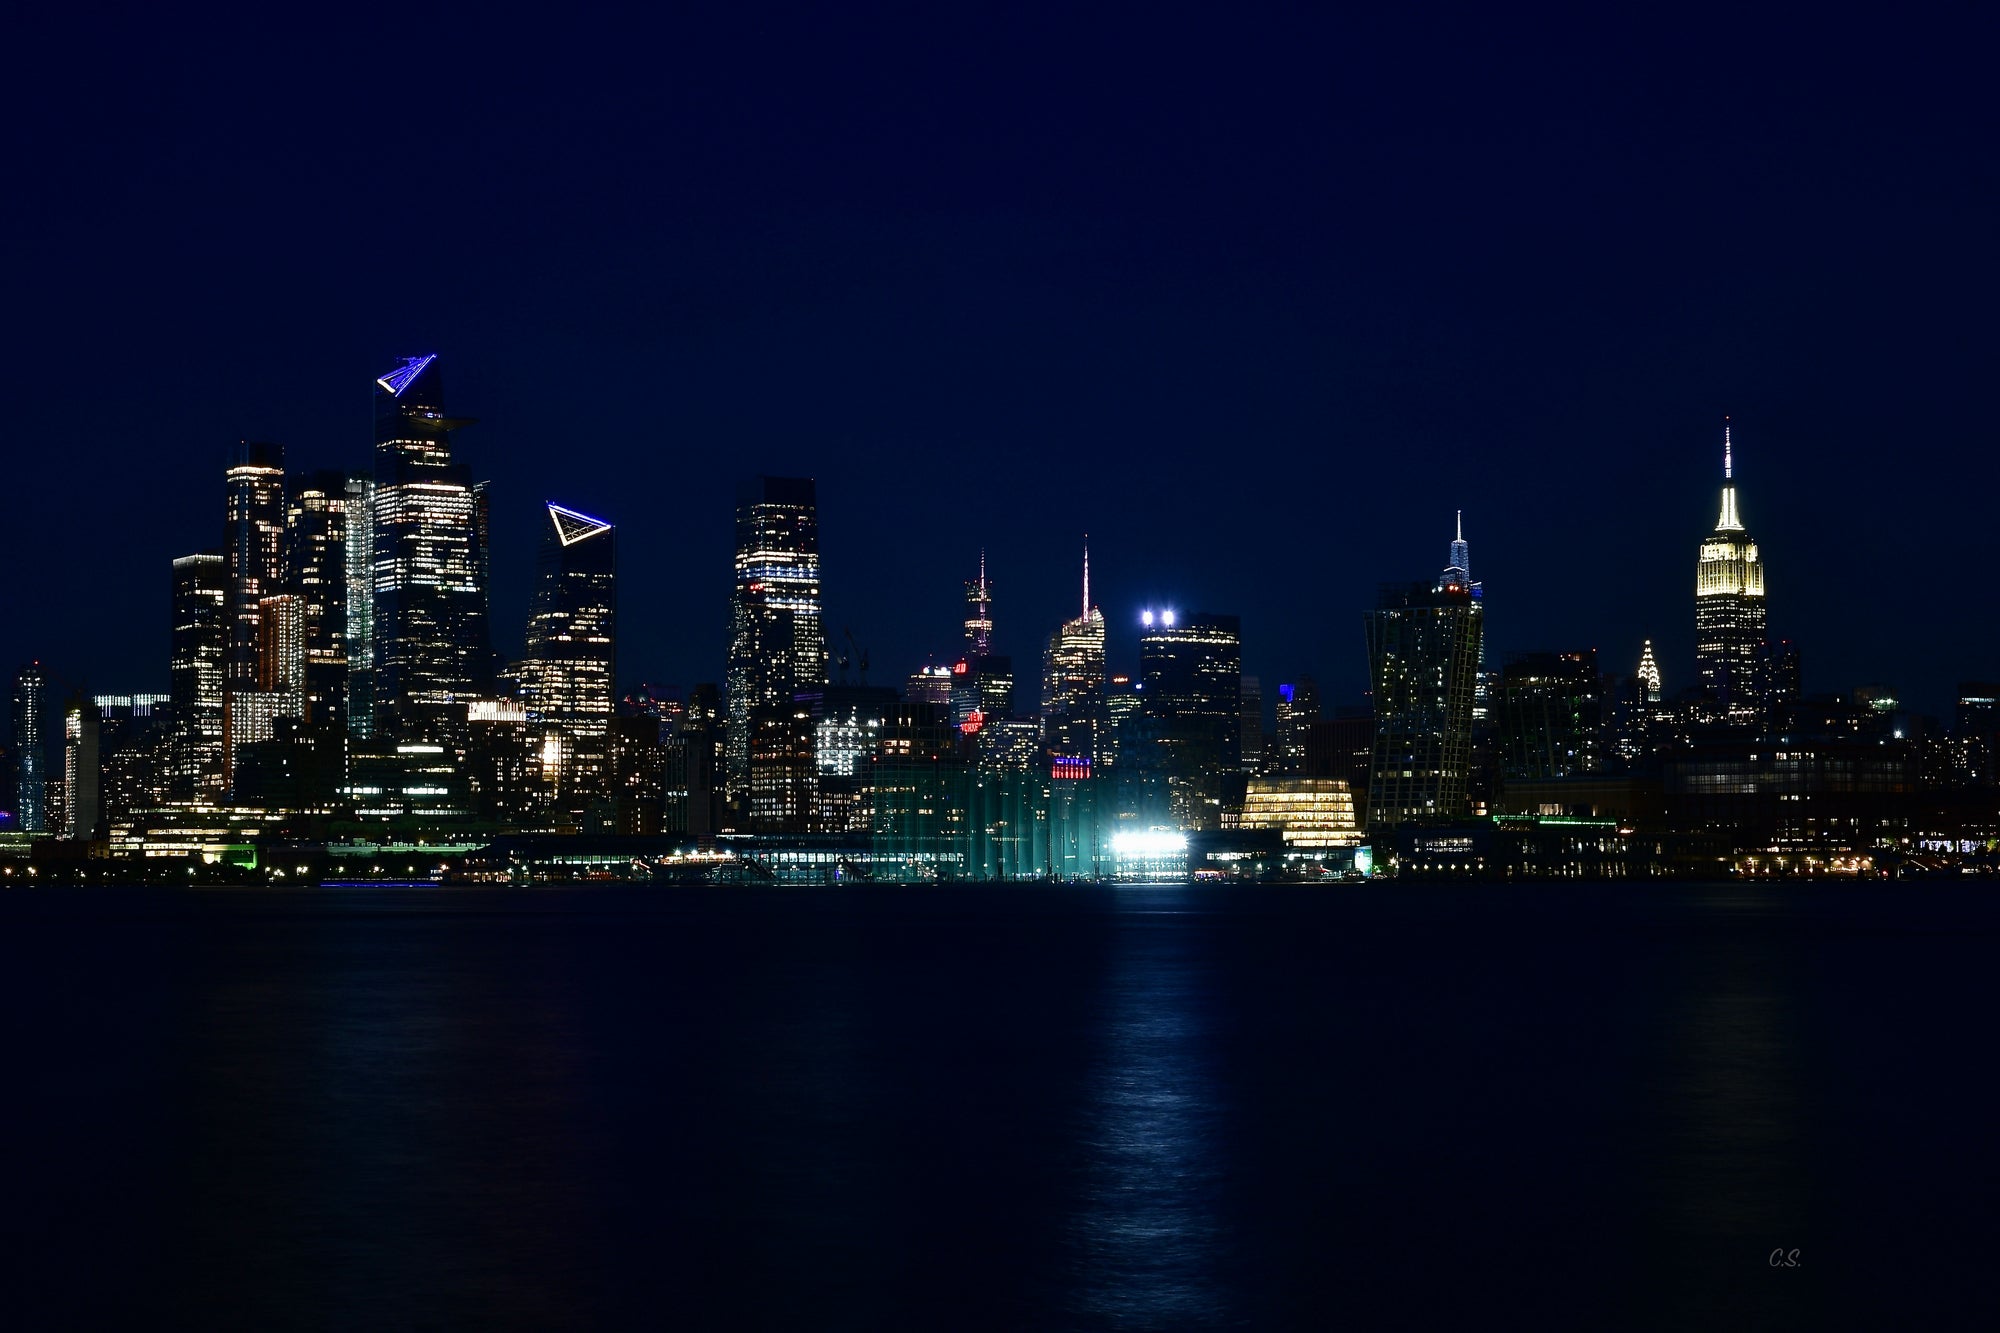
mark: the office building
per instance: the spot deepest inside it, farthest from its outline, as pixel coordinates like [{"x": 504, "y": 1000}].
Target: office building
[
  {"x": 431, "y": 647},
  {"x": 777, "y": 641},
  {"x": 784, "y": 779},
  {"x": 1729, "y": 610},
  {"x": 1191, "y": 675},
  {"x": 929, "y": 684},
  {"x": 316, "y": 573},
  {"x": 1649, "y": 674},
  {"x": 1073, "y": 680},
  {"x": 568, "y": 675},
  {"x": 201, "y": 620},
  {"x": 1297, "y": 709},
  {"x": 31, "y": 706},
  {"x": 1975, "y": 731},
  {"x": 1552, "y": 722},
  {"x": 1423, "y": 660},
  {"x": 1252, "y": 729},
  {"x": 1308, "y": 812}
]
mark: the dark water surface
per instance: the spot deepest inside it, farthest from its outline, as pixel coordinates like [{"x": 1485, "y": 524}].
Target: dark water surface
[{"x": 1026, "y": 1108}]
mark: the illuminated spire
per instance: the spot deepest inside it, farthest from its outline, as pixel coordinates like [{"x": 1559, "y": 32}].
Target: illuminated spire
[
  {"x": 1728, "y": 522},
  {"x": 1458, "y": 570},
  {"x": 1086, "y": 576},
  {"x": 1649, "y": 673}
]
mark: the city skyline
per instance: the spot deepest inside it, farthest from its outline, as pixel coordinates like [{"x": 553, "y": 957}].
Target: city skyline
[
  {"x": 1383, "y": 290},
  {"x": 1122, "y": 634}
]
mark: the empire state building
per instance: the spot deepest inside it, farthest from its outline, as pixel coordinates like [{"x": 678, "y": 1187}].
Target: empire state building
[{"x": 1729, "y": 618}]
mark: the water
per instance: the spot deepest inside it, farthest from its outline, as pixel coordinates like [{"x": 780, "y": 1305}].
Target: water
[{"x": 1147, "y": 1108}]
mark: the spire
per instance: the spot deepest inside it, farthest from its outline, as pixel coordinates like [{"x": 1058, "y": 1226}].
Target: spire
[
  {"x": 1086, "y": 576},
  {"x": 1728, "y": 522},
  {"x": 1458, "y": 566},
  {"x": 1649, "y": 673}
]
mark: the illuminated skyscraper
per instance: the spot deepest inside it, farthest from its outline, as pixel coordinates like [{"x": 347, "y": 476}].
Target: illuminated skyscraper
[
  {"x": 360, "y": 556},
  {"x": 1073, "y": 681},
  {"x": 979, "y": 615},
  {"x": 777, "y": 641},
  {"x": 81, "y": 805},
  {"x": 432, "y": 649},
  {"x": 31, "y": 702},
  {"x": 1551, "y": 715},
  {"x": 281, "y": 646},
  {"x": 1729, "y": 613},
  {"x": 1458, "y": 574},
  {"x": 316, "y": 572},
  {"x": 1423, "y": 662},
  {"x": 568, "y": 675},
  {"x": 1191, "y": 673},
  {"x": 1297, "y": 710},
  {"x": 254, "y": 547},
  {"x": 200, "y": 610},
  {"x": 1649, "y": 674}
]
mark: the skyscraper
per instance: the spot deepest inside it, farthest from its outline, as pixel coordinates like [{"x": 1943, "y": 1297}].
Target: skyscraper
[
  {"x": 777, "y": 641},
  {"x": 81, "y": 805},
  {"x": 1423, "y": 664},
  {"x": 254, "y": 547},
  {"x": 1297, "y": 709},
  {"x": 200, "y": 612},
  {"x": 978, "y": 615},
  {"x": 432, "y": 649},
  {"x": 1729, "y": 614},
  {"x": 1458, "y": 574},
  {"x": 1649, "y": 674},
  {"x": 316, "y": 572},
  {"x": 1191, "y": 673},
  {"x": 1551, "y": 715},
  {"x": 360, "y": 555},
  {"x": 1073, "y": 681},
  {"x": 31, "y": 702},
  {"x": 1253, "y": 725},
  {"x": 568, "y": 675}
]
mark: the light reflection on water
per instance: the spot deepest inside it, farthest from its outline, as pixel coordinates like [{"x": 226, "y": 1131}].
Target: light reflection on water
[{"x": 1147, "y": 1231}]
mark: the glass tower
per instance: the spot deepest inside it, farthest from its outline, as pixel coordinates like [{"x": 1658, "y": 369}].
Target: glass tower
[
  {"x": 567, "y": 677},
  {"x": 316, "y": 572},
  {"x": 777, "y": 639},
  {"x": 1423, "y": 663},
  {"x": 360, "y": 555},
  {"x": 200, "y": 611},
  {"x": 254, "y": 546},
  {"x": 31, "y": 779},
  {"x": 431, "y": 647},
  {"x": 1729, "y": 616}
]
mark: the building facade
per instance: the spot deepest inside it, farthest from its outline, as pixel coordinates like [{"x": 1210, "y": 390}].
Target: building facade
[
  {"x": 200, "y": 616},
  {"x": 569, "y": 673},
  {"x": 432, "y": 651},
  {"x": 1729, "y": 611},
  {"x": 777, "y": 640},
  {"x": 31, "y": 705},
  {"x": 1423, "y": 664}
]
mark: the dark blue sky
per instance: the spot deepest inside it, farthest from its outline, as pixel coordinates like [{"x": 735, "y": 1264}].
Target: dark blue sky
[{"x": 1257, "y": 301}]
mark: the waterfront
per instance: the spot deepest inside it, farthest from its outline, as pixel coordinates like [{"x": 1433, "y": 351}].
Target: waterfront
[{"x": 1027, "y": 1107}]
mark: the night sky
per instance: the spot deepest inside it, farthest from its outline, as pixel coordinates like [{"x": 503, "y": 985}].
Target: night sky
[{"x": 1257, "y": 302}]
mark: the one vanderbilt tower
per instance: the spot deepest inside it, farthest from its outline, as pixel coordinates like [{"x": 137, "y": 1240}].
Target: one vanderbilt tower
[{"x": 1729, "y": 615}]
